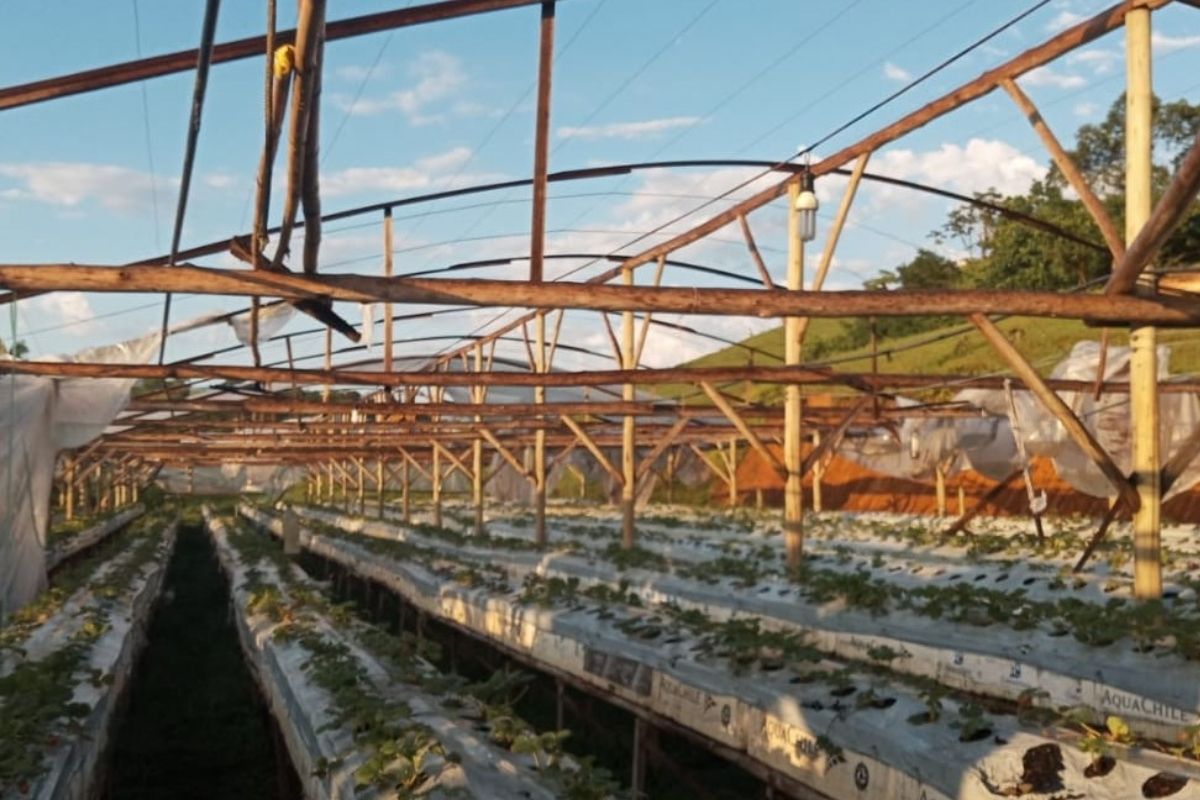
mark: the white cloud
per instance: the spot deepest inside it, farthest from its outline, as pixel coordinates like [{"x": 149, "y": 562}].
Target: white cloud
[
  {"x": 894, "y": 72},
  {"x": 1162, "y": 43},
  {"x": 626, "y": 130},
  {"x": 1048, "y": 76},
  {"x": 1099, "y": 60},
  {"x": 72, "y": 183},
  {"x": 442, "y": 170},
  {"x": 1085, "y": 109},
  {"x": 1063, "y": 20},
  {"x": 220, "y": 180},
  {"x": 437, "y": 76},
  {"x": 59, "y": 308},
  {"x": 983, "y": 164}
]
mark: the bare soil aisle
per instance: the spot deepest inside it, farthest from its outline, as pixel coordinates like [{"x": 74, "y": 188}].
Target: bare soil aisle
[{"x": 195, "y": 726}]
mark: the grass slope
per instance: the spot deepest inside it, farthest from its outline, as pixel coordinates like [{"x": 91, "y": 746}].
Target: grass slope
[{"x": 1045, "y": 342}]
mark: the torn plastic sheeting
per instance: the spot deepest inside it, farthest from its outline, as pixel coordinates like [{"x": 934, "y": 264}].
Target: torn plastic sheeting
[
  {"x": 38, "y": 417},
  {"x": 271, "y": 320},
  {"x": 915, "y": 447},
  {"x": 764, "y": 719}
]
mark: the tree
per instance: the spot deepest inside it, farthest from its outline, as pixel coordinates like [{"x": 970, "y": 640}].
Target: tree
[
  {"x": 19, "y": 349},
  {"x": 1010, "y": 254}
]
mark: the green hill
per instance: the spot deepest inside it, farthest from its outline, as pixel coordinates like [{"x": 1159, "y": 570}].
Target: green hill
[{"x": 952, "y": 350}]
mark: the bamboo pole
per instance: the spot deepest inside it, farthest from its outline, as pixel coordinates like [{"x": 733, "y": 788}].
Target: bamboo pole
[
  {"x": 793, "y": 493},
  {"x": 628, "y": 434},
  {"x": 1143, "y": 362}
]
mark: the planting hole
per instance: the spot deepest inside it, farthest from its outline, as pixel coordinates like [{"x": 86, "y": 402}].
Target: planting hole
[
  {"x": 1100, "y": 767},
  {"x": 1164, "y": 784},
  {"x": 1042, "y": 768}
]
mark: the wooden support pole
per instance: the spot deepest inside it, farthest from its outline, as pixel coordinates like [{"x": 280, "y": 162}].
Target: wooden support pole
[
  {"x": 744, "y": 429},
  {"x": 940, "y": 488},
  {"x": 1143, "y": 339},
  {"x": 755, "y": 256},
  {"x": 69, "y": 489},
  {"x": 477, "y": 450},
  {"x": 1055, "y": 405},
  {"x": 539, "y": 444},
  {"x": 362, "y": 486},
  {"x": 507, "y": 454},
  {"x": 835, "y": 233},
  {"x": 668, "y": 438},
  {"x": 541, "y": 145},
  {"x": 793, "y": 493},
  {"x": 962, "y": 500},
  {"x": 818, "y": 471},
  {"x": 961, "y": 523},
  {"x": 329, "y": 483},
  {"x": 594, "y": 449},
  {"x": 388, "y": 333},
  {"x": 345, "y": 487},
  {"x": 379, "y": 484},
  {"x": 638, "y": 767},
  {"x": 628, "y": 435},
  {"x": 436, "y": 475},
  {"x": 1067, "y": 167},
  {"x": 731, "y": 463},
  {"x": 1097, "y": 537},
  {"x": 405, "y": 492}
]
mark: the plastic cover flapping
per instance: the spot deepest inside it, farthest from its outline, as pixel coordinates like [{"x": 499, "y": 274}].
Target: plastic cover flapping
[
  {"x": 985, "y": 444},
  {"x": 38, "y": 417},
  {"x": 271, "y": 320}
]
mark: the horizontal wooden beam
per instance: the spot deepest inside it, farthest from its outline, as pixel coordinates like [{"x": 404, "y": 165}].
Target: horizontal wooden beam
[
  {"x": 763, "y": 303},
  {"x": 185, "y": 60},
  {"x": 807, "y": 376}
]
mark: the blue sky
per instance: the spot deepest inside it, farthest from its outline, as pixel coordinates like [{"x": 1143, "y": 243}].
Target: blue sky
[{"x": 94, "y": 178}]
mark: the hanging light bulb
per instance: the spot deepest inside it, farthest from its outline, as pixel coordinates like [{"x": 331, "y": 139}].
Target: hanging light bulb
[{"x": 806, "y": 205}]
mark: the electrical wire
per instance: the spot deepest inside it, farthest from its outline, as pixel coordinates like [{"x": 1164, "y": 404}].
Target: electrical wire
[{"x": 137, "y": 39}]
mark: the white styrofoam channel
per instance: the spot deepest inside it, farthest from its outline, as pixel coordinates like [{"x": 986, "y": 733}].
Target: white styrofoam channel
[
  {"x": 764, "y": 714},
  {"x": 75, "y": 763},
  {"x": 1159, "y": 695},
  {"x": 90, "y": 536},
  {"x": 303, "y": 710}
]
